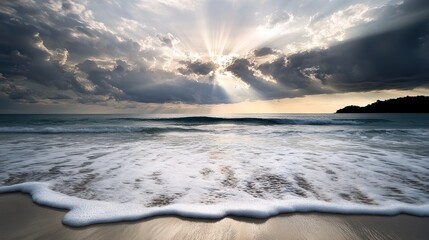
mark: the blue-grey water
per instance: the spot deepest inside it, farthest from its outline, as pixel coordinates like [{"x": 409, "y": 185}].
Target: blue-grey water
[{"x": 159, "y": 160}]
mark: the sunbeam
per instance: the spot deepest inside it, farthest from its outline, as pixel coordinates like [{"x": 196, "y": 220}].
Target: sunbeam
[{"x": 143, "y": 52}]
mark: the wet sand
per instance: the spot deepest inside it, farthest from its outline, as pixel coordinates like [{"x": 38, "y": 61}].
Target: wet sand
[{"x": 20, "y": 218}]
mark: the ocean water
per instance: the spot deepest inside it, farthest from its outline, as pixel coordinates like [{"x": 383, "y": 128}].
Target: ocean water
[{"x": 125, "y": 167}]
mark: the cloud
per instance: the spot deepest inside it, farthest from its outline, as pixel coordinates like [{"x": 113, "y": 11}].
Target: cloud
[
  {"x": 392, "y": 59},
  {"x": 274, "y": 80},
  {"x": 164, "y": 5},
  {"x": 264, "y": 52},
  {"x": 37, "y": 43},
  {"x": 197, "y": 67},
  {"x": 278, "y": 18},
  {"x": 23, "y": 53},
  {"x": 18, "y": 93},
  {"x": 150, "y": 86},
  {"x": 59, "y": 50},
  {"x": 59, "y": 96},
  {"x": 168, "y": 40},
  {"x": 68, "y": 51},
  {"x": 335, "y": 27}
]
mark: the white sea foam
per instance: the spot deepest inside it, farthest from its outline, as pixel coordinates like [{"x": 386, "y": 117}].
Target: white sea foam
[
  {"x": 258, "y": 170},
  {"x": 85, "y": 212}
]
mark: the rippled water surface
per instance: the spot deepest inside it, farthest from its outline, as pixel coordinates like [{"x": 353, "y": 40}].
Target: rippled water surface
[{"x": 375, "y": 159}]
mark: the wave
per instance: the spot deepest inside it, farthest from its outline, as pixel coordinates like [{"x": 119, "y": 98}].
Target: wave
[
  {"x": 254, "y": 121},
  {"x": 92, "y": 130},
  {"x": 196, "y": 120},
  {"x": 83, "y": 212}
]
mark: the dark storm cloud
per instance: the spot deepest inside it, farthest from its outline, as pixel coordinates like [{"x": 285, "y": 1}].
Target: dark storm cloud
[
  {"x": 415, "y": 5},
  {"x": 396, "y": 58},
  {"x": 21, "y": 56},
  {"x": 243, "y": 69},
  {"x": 61, "y": 29},
  {"x": 18, "y": 93},
  {"x": 49, "y": 48},
  {"x": 59, "y": 96},
  {"x": 289, "y": 82},
  {"x": 51, "y": 51},
  {"x": 197, "y": 67},
  {"x": 149, "y": 86},
  {"x": 37, "y": 41},
  {"x": 25, "y": 95},
  {"x": 391, "y": 60},
  {"x": 264, "y": 52}
]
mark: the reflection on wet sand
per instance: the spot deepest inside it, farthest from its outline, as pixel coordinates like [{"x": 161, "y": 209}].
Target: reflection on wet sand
[{"x": 21, "y": 219}]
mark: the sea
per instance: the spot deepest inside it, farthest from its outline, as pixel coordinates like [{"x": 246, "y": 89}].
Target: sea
[{"x": 109, "y": 168}]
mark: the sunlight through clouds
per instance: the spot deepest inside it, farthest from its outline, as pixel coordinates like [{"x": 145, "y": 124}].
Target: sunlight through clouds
[{"x": 208, "y": 51}]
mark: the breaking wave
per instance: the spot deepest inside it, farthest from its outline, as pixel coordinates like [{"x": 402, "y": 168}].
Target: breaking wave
[
  {"x": 254, "y": 121},
  {"x": 94, "y": 130}
]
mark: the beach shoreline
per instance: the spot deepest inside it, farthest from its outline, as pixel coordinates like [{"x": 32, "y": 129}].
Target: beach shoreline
[{"x": 23, "y": 219}]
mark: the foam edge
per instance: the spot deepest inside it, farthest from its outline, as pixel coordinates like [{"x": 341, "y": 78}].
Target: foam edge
[{"x": 83, "y": 212}]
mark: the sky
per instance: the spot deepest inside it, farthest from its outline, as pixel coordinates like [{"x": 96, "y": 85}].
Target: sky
[{"x": 210, "y": 56}]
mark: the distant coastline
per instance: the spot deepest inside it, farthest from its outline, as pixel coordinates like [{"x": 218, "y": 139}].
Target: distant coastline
[{"x": 417, "y": 104}]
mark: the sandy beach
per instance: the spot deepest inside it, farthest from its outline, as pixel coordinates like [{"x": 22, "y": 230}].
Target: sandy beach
[{"x": 22, "y": 219}]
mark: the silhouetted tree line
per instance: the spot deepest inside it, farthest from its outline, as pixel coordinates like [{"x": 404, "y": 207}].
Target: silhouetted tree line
[{"x": 417, "y": 104}]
